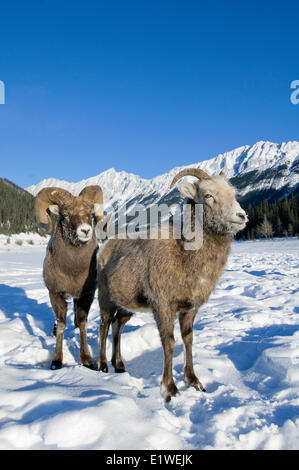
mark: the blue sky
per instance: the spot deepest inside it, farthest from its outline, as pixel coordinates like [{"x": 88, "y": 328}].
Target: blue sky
[{"x": 141, "y": 86}]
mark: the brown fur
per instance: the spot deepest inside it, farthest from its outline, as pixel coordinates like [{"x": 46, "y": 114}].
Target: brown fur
[
  {"x": 70, "y": 266},
  {"x": 70, "y": 271},
  {"x": 166, "y": 278}
]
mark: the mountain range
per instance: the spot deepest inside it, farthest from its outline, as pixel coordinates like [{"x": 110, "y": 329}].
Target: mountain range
[{"x": 264, "y": 171}]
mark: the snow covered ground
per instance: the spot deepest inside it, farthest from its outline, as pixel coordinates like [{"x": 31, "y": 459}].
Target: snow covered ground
[{"x": 246, "y": 351}]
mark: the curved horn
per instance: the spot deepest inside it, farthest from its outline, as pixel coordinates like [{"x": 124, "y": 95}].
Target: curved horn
[
  {"x": 200, "y": 174},
  {"x": 45, "y": 198},
  {"x": 94, "y": 195}
]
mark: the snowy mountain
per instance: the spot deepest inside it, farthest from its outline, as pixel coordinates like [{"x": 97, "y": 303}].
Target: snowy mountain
[{"x": 265, "y": 170}]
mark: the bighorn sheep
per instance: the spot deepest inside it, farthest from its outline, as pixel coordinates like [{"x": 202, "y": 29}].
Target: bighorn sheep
[
  {"x": 70, "y": 265},
  {"x": 161, "y": 276}
]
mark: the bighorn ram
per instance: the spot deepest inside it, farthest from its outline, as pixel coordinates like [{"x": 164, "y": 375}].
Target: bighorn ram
[
  {"x": 161, "y": 276},
  {"x": 70, "y": 266}
]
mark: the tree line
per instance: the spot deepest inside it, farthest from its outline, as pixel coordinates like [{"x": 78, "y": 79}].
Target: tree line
[
  {"x": 276, "y": 219},
  {"x": 266, "y": 220},
  {"x": 16, "y": 209}
]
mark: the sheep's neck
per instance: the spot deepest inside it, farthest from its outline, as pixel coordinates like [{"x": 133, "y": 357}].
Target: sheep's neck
[
  {"x": 207, "y": 261},
  {"x": 65, "y": 253},
  {"x": 196, "y": 233}
]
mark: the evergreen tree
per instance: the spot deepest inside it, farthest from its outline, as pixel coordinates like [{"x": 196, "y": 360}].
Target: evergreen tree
[
  {"x": 16, "y": 209},
  {"x": 282, "y": 216}
]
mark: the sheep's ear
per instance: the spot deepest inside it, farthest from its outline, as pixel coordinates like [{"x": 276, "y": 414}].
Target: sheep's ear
[
  {"x": 54, "y": 209},
  {"x": 188, "y": 189}
]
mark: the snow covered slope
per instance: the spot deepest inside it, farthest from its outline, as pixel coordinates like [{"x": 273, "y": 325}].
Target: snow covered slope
[
  {"x": 246, "y": 352},
  {"x": 265, "y": 170}
]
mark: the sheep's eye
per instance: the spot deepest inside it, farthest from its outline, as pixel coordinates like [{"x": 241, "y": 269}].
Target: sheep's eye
[{"x": 207, "y": 196}]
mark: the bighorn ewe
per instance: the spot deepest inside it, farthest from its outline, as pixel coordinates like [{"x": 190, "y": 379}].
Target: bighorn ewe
[
  {"x": 70, "y": 265},
  {"x": 161, "y": 276}
]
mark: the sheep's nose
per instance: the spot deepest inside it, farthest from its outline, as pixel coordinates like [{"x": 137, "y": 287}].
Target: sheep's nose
[
  {"x": 242, "y": 215},
  {"x": 85, "y": 230}
]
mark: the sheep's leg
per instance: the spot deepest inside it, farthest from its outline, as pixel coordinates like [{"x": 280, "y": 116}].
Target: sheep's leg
[
  {"x": 81, "y": 307},
  {"x": 59, "y": 306},
  {"x": 186, "y": 324},
  {"x": 117, "y": 327},
  {"x": 165, "y": 323},
  {"x": 104, "y": 328}
]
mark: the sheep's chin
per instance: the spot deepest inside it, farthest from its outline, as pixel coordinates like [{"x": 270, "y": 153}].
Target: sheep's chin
[
  {"x": 85, "y": 240},
  {"x": 75, "y": 240},
  {"x": 237, "y": 227}
]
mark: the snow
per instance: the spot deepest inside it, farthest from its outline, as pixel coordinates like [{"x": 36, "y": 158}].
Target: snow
[
  {"x": 122, "y": 187},
  {"x": 18, "y": 241},
  {"x": 246, "y": 353}
]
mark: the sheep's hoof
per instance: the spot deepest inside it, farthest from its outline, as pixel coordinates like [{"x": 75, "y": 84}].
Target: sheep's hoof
[
  {"x": 169, "y": 391},
  {"x": 119, "y": 371},
  {"x": 103, "y": 367},
  {"x": 89, "y": 366},
  {"x": 119, "y": 367},
  {"x": 56, "y": 364},
  {"x": 195, "y": 383}
]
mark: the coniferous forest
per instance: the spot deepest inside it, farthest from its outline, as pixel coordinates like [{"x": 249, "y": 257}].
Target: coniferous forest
[
  {"x": 266, "y": 220},
  {"x": 16, "y": 209},
  {"x": 276, "y": 219}
]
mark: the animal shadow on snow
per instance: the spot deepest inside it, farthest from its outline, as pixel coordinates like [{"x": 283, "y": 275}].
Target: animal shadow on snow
[
  {"x": 56, "y": 407},
  {"x": 243, "y": 352},
  {"x": 14, "y": 303},
  {"x": 149, "y": 365}
]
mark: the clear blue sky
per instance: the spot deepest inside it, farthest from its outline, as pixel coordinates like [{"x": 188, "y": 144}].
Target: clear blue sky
[{"x": 141, "y": 86}]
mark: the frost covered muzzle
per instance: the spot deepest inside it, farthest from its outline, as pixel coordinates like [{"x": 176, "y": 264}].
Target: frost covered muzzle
[{"x": 84, "y": 232}]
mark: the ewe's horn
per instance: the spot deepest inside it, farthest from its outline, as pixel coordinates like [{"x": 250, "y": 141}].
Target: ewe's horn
[
  {"x": 94, "y": 195},
  {"x": 45, "y": 198},
  {"x": 200, "y": 174}
]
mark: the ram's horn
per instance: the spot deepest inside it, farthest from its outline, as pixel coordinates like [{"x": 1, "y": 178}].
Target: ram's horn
[
  {"x": 94, "y": 195},
  {"x": 200, "y": 174},
  {"x": 44, "y": 199}
]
